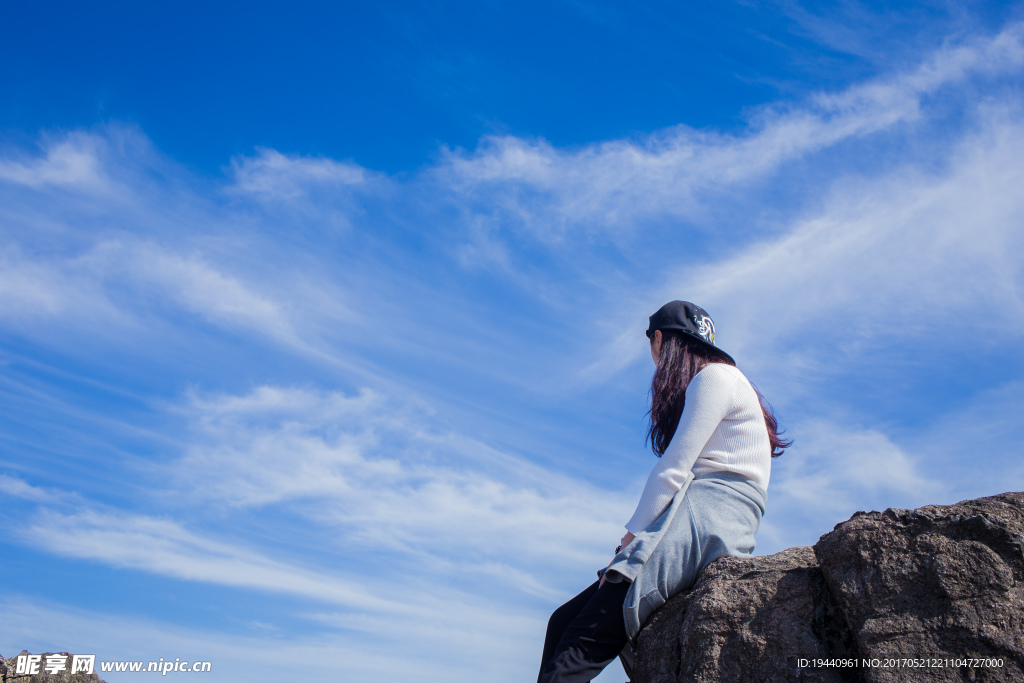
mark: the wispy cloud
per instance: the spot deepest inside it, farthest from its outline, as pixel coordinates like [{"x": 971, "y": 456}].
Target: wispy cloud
[
  {"x": 377, "y": 471},
  {"x": 33, "y": 289},
  {"x": 377, "y": 609},
  {"x": 220, "y": 298},
  {"x": 271, "y": 175},
  {"x": 165, "y": 547},
  {"x": 13, "y": 487},
  {"x": 119, "y": 287},
  {"x": 911, "y": 252},
  {"x": 899, "y": 257},
  {"x": 834, "y": 466},
  {"x": 44, "y": 626},
  {"x": 70, "y": 163},
  {"x": 837, "y": 468},
  {"x": 613, "y": 185}
]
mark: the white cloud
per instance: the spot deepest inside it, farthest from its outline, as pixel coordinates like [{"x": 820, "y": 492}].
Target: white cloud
[
  {"x": 615, "y": 184},
  {"x": 33, "y": 289},
  {"x": 146, "y": 243},
  {"x": 164, "y": 547},
  {"x": 902, "y": 257},
  {"x": 118, "y": 286},
  {"x": 506, "y": 654},
  {"x": 272, "y": 175},
  {"x": 70, "y": 163},
  {"x": 428, "y": 619},
  {"x": 220, "y": 298},
  {"x": 835, "y": 469},
  {"x": 16, "y": 488},
  {"x": 380, "y": 473}
]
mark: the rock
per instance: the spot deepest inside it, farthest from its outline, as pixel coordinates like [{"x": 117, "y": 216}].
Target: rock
[
  {"x": 745, "y": 620},
  {"x": 936, "y": 585},
  {"x": 937, "y": 582},
  {"x": 8, "y": 672}
]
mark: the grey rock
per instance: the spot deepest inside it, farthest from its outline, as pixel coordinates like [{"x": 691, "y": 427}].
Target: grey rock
[
  {"x": 8, "y": 669},
  {"x": 746, "y": 619},
  {"x": 940, "y": 583}
]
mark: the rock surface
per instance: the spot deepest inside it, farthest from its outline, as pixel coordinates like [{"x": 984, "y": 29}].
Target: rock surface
[
  {"x": 937, "y": 585},
  {"x": 8, "y": 672}
]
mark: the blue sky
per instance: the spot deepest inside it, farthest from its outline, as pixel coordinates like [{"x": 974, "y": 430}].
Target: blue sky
[{"x": 321, "y": 328}]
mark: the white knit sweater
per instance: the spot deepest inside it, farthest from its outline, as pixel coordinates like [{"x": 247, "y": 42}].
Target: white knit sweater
[{"x": 721, "y": 429}]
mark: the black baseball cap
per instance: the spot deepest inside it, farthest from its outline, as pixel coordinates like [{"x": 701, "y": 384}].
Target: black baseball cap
[{"x": 690, "y": 319}]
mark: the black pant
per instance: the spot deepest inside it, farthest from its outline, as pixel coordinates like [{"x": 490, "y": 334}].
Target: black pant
[{"x": 584, "y": 635}]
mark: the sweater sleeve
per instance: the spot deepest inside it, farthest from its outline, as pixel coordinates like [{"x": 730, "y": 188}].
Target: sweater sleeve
[{"x": 709, "y": 399}]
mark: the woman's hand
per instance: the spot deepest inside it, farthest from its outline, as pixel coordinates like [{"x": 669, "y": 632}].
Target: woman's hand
[{"x": 626, "y": 540}]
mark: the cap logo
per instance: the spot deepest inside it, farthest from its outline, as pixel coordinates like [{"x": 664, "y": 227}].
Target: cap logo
[{"x": 705, "y": 328}]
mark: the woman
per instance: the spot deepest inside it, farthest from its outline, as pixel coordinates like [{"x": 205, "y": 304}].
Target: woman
[{"x": 704, "y": 498}]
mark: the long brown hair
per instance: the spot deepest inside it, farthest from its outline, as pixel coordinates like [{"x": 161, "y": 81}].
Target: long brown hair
[{"x": 680, "y": 360}]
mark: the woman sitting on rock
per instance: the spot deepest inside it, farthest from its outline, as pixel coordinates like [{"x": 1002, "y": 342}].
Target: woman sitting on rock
[{"x": 704, "y": 499}]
